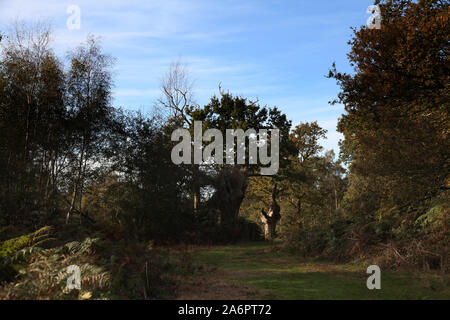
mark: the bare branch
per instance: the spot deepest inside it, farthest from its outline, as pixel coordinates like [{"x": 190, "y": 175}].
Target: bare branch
[{"x": 177, "y": 93}]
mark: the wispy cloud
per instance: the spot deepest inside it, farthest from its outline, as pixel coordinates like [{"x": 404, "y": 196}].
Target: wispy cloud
[{"x": 277, "y": 51}]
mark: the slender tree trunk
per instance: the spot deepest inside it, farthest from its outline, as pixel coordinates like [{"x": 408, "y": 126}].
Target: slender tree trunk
[
  {"x": 196, "y": 188},
  {"x": 195, "y": 184},
  {"x": 72, "y": 203},
  {"x": 77, "y": 182}
]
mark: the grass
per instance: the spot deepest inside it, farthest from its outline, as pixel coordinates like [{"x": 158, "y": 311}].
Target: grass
[{"x": 277, "y": 274}]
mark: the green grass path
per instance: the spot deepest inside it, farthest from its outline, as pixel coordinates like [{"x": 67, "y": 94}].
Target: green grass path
[{"x": 275, "y": 274}]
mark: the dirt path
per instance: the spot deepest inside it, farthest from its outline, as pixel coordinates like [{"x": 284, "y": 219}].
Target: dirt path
[
  {"x": 216, "y": 285},
  {"x": 254, "y": 271}
]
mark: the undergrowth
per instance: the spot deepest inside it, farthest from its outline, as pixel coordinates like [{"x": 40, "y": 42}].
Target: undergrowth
[{"x": 109, "y": 269}]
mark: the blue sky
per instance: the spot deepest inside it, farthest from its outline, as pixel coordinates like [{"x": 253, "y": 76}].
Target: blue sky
[{"x": 276, "y": 51}]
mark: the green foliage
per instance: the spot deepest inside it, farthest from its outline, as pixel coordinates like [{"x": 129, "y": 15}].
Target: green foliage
[
  {"x": 433, "y": 217},
  {"x": 14, "y": 251},
  {"x": 9, "y": 248},
  {"x": 234, "y": 112}
]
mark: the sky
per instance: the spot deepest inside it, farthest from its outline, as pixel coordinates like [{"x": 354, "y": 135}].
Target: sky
[{"x": 276, "y": 51}]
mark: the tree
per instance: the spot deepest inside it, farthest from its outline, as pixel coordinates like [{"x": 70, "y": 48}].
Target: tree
[
  {"x": 144, "y": 192},
  {"x": 88, "y": 97},
  {"x": 302, "y": 172},
  {"x": 32, "y": 119},
  {"x": 178, "y": 98},
  {"x": 177, "y": 92},
  {"x": 230, "y": 112},
  {"x": 396, "y": 129},
  {"x": 396, "y": 125}
]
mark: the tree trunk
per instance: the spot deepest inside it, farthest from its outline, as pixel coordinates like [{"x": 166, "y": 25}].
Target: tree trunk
[
  {"x": 230, "y": 186},
  {"x": 271, "y": 218},
  {"x": 196, "y": 188}
]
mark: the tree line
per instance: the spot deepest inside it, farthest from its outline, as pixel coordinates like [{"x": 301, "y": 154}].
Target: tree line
[{"x": 69, "y": 157}]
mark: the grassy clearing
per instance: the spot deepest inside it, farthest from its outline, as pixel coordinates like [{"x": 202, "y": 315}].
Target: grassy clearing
[{"x": 264, "y": 271}]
